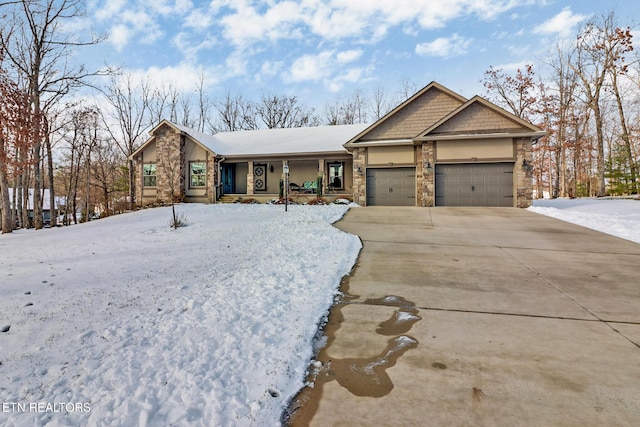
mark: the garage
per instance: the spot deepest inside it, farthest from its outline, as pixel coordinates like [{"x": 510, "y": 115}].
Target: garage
[
  {"x": 477, "y": 184},
  {"x": 391, "y": 187}
]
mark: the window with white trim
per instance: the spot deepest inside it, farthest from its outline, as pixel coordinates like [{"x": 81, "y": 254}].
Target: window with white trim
[
  {"x": 149, "y": 175},
  {"x": 336, "y": 175},
  {"x": 197, "y": 174}
]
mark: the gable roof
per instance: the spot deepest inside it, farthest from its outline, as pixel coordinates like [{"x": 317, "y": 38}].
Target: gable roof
[
  {"x": 319, "y": 139},
  {"x": 281, "y": 141},
  {"x": 476, "y": 118},
  {"x": 439, "y": 109},
  {"x": 182, "y": 129}
]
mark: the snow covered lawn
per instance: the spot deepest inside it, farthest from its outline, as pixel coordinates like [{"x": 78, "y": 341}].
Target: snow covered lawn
[
  {"x": 618, "y": 217},
  {"x": 124, "y": 321}
]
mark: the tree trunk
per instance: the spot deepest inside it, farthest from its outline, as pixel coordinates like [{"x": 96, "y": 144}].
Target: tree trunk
[
  {"x": 132, "y": 188},
  {"x": 625, "y": 134},
  {"x": 602, "y": 190},
  {"x": 53, "y": 212},
  {"x": 5, "y": 203}
]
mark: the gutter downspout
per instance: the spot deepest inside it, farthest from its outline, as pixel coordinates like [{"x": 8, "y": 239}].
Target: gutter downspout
[{"x": 219, "y": 184}]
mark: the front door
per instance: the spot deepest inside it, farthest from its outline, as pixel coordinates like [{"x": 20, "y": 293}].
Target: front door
[
  {"x": 228, "y": 178},
  {"x": 260, "y": 177}
]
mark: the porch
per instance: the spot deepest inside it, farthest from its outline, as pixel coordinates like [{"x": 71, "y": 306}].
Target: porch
[{"x": 261, "y": 180}]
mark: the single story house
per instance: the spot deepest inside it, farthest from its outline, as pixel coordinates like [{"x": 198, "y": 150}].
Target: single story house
[
  {"x": 46, "y": 205},
  {"x": 437, "y": 148}
]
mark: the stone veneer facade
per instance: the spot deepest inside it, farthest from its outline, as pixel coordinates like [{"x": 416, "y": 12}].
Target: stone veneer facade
[
  {"x": 170, "y": 168},
  {"x": 523, "y": 173},
  {"x": 359, "y": 176},
  {"x": 425, "y": 172}
]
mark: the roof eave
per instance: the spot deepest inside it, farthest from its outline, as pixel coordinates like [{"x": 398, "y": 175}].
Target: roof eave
[
  {"x": 380, "y": 143},
  {"x": 314, "y": 154},
  {"x": 533, "y": 135}
]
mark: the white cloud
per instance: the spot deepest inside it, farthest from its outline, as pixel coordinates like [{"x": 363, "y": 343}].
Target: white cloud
[
  {"x": 562, "y": 24},
  {"x": 119, "y": 36},
  {"x": 198, "y": 19},
  {"x": 348, "y": 56},
  {"x": 445, "y": 47},
  {"x": 271, "y": 68},
  {"x": 513, "y": 67},
  {"x": 312, "y": 67},
  {"x": 168, "y": 7},
  {"x": 111, "y": 8},
  {"x": 247, "y": 25},
  {"x": 329, "y": 67},
  {"x": 184, "y": 77},
  {"x": 191, "y": 46}
]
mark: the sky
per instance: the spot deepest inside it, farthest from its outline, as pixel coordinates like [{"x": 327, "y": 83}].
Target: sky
[{"x": 322, "y": 50}]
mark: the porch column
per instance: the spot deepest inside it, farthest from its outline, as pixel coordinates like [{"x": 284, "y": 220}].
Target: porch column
[
  {"x": 250, "y": 178},
  {"x": 321, "y": 172}
]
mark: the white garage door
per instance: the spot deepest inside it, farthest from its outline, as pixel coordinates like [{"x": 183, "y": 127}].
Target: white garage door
[
  {"x": 391, "y": 187},
  {"x": 477, "y": 184}
]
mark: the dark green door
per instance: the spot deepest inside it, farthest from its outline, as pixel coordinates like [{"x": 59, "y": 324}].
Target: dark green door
[{"x": 228, "y": 178}]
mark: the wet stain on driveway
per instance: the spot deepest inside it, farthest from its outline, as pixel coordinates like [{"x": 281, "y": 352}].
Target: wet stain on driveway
[{"x": 365, "y": 377}]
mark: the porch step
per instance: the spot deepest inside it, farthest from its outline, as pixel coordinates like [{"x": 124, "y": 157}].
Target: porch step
[{"x": 227, "y": 199}]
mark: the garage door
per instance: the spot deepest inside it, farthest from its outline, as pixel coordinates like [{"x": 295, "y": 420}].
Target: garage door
[
  {"x": 391, "y": 187},
  {"x": 484, "y": 184}
]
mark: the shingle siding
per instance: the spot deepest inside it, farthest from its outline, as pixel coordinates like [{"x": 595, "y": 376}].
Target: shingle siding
[
  {"x": 477, "y": 118},
  {"x": 423, "y": 112}
]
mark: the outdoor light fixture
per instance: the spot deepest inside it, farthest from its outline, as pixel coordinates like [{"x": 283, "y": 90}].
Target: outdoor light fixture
[
  {"x": 429, "y": 167},
  {"x": 271, "y": 168},
  {"x": 359, "y": 170}
]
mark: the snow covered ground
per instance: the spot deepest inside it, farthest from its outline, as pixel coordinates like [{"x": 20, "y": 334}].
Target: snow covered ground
[
  {"x": 618, "y": 217},
  {"x": 124, "y": 321}
]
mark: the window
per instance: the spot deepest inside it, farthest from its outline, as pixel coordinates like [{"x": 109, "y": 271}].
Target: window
[
  {"x": 149, "y": 175},
  {"x": 336, "y": 176},
  {"x": 198, "y": 174}
]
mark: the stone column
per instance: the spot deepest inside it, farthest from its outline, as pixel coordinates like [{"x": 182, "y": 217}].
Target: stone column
[
  {"x": 523, "y": 173},
  {"x": 359, "y": 176},
  {"x": 425, "y": 174},
  {"x": 250, "y": 178},
  {"x": 212, "y": 177}
]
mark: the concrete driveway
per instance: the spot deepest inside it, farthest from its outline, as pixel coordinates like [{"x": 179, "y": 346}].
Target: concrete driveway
[{"x": 480, "y": 317}]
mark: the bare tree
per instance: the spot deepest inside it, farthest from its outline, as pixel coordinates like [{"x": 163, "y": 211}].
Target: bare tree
[
  {"x": 622, "y": 40},
  {"x": 592, "y": 60},
  {"x": 234, "y": 113},
  {"x": 347, "y": 111},
  {"x": 379, "y": 105},
  {"x": 127, "y": 119},
  {"x": 284, "y": 112},
  {"x": 105, "y": 171},
  {"x": 39, "y": 50},
  {"x": 516, "y": 92},
  {"x": 17, "y": 124},
  {"x": 81, "y": 138}
]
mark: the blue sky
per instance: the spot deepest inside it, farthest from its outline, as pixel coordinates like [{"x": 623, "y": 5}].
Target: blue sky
[{"x": 320, "y": 50}]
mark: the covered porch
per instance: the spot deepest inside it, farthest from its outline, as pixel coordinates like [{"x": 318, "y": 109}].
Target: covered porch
[{"x": 261, "y": 179}]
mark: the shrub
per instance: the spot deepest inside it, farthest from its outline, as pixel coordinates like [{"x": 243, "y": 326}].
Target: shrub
[
  {"x": 249, "y": 201},
  {"x": 317, "y": 201},
  {"x": 178, "y": 221},
  {"x": 342, "y": 201}
]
